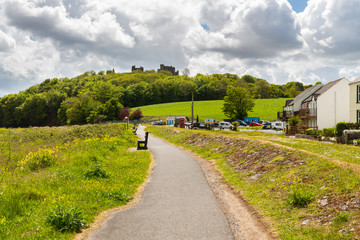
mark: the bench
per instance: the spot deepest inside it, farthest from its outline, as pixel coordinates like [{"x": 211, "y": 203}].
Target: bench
[
  {"x": 142, "y": 145},
  {"x": 135, "y": 131}
]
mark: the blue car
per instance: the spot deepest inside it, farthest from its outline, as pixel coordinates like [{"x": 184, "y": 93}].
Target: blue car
[{"x": 241, "y": 123}]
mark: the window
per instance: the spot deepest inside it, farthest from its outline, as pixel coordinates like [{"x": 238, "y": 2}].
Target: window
[
  {"x": 358, "y": 93},
  {"x": 358, "y": 116}
]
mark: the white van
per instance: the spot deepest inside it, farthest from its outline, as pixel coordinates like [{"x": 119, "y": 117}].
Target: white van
[
  {"x": 225, "y": 125},
  {"x": 278, "y": 125}
]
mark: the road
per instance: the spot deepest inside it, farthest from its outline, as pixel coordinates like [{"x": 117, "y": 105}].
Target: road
[{"x": 177, "y": 203}]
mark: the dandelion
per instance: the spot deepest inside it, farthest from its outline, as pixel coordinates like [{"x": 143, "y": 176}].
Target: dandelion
[{"x": 3, "y": 220}]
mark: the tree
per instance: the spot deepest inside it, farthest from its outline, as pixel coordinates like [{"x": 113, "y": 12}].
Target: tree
[{"x": 237, "y": 103}]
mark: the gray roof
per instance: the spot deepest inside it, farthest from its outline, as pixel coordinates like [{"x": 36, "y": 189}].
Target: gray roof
[
  {"x": 300, "y": 95},
  {"x": 322, "y": 90}
]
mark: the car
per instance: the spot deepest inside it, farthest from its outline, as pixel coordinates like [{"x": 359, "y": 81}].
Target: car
[
  {"x": 157, "y": 123},
  {"x": 241, "y": 123},
  {"x": 225, "y": 125},
  {"x": 214, "y": 125},
  {"x": 278, "y": 125},
  {"x": 267, "y": 125},
  {"x": 199, "y": 125},
  {"x": 255, "y": 124}
]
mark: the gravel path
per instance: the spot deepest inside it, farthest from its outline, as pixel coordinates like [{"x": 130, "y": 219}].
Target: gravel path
[{"x": 177, "y": 203}]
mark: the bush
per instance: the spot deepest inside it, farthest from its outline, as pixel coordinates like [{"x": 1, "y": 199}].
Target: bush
[
  {"x": 136, "y": 115},
  {"x": 96, "y": 172},
  {"x": 329, "y": 132},
  {"x": 66, "y": 219},
  {"x": 310, "y": 131},
  {"x": 340, "y": 127},
  {"x": 40, "y": 159},
  {"x": 300, "y": 197}
]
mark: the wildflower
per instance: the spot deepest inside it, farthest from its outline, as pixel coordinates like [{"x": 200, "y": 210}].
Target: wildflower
[{"x": 3, "y": 220}]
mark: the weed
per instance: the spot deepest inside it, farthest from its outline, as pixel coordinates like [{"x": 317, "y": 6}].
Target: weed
[
  {"x": 96, "y": 172},
  {"x": 341, "y": 217},
  {"x": 119, "y": 196},
  {"x": 300, "y": 197},
  {"x": 65, "y": 219},
  {"x": 40, "y": 159}
]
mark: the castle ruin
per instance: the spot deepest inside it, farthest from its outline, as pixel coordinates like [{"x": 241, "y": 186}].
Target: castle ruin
[{"x": 169, "y": 69}]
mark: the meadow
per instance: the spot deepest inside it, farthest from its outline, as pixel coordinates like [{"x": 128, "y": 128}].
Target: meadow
[
  {"x": 55, "y": 181},
  {"x": 266, "y": 109},
  {"x": 300, "y": 195}
]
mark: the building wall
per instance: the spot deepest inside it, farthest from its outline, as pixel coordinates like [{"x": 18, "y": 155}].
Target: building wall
[
  {"x": 333, "y": 106},
  {"x": 354, "y": 106}
]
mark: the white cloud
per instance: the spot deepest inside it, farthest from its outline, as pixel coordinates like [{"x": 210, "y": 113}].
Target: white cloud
[{"x": 7, "y": 42}]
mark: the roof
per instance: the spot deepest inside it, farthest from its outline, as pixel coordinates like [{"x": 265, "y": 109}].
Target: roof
[
  {"x": 300, "y": 95},
  {"x": 357, "y": 80},
  {"x": 322, "y": 90}
]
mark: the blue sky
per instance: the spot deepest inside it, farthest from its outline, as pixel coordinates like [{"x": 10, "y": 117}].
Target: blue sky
[{"x": 298, "y": 5}]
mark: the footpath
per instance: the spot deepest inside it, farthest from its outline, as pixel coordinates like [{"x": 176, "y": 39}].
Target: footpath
[{"x": 177, "y": 203}]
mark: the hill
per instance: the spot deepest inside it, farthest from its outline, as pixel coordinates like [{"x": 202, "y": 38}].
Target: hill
[
  {"x": 95, "y": 97},
  {"x": 264, "y": 108}
]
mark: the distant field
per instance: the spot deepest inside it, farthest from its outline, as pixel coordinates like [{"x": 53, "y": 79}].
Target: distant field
[{"x": 264, "y": 108}]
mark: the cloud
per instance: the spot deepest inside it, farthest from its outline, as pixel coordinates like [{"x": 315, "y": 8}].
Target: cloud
[
  {"x": 7, "y": 43},
  {"x": 42, "y": 39}
]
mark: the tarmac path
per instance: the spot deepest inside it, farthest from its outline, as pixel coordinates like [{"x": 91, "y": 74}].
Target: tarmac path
[{"x": 177, "y": 203}]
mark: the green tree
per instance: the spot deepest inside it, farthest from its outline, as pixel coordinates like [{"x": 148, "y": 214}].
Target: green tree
[{"x": 237, "y": 103}]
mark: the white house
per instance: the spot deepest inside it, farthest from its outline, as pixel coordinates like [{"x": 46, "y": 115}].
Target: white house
[
  {"x": 355, "y": 101},
  {"x": 327, "y": 106}
]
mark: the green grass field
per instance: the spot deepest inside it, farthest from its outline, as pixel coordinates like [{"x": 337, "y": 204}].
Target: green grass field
[
  {"x": 266, "y": 109},
  {"x": 54, "y": 181}
]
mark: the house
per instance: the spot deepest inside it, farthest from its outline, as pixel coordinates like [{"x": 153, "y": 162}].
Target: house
[
  {"x": 355, "y": 101},
  {"x": 323, "y": 106},
  {"x": 292, "y": 107}
]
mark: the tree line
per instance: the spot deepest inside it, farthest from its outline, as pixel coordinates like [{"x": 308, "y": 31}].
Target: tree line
[{"x": 92, "y": 97}]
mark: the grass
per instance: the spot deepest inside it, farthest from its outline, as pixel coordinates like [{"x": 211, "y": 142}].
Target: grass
[
  {"x": 286, "y": 186},
  {"x": 57, "y": 180},
  {"x": 266, "y": 109}
]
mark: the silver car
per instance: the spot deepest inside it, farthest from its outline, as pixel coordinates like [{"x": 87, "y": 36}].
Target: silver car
[{"x": 225, "y": 125}]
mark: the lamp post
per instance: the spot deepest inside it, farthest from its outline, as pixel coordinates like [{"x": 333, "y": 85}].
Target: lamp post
[{"x": 127, "y": 122}]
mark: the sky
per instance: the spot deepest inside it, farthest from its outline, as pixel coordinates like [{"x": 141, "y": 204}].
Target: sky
[{"x": 277, "y": 40}]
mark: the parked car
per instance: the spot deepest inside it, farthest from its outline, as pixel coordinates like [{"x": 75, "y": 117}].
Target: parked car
[
  {"x": 241, "y": 123},
  {"x": 199, "y": 125},
  {"x": 278, "y": 125},
  {"x": 225, "y": 125},
  {"x": 254, "y": 124},
  {"x": 267, "y": 125},
  {"x": 157, "y": 123},
  {"x": 214, "y": 125}
]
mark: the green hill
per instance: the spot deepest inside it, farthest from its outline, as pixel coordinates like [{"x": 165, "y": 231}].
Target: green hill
[{"x": 264, "y": 108}]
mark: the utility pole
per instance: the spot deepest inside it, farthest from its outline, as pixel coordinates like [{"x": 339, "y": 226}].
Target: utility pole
[{"x": 192, "y": 109}]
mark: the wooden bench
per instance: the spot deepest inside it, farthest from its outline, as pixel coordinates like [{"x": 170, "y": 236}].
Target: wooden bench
[
  {"x": 134, "y": 131},
  {"x": 142, "y": 145}
]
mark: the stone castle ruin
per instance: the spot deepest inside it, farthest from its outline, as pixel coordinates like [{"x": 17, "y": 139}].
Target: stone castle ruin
[{"x": 162, "y": 68}]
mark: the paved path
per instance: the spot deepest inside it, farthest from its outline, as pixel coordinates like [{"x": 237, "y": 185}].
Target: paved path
[{"x": 177, "y": 203}]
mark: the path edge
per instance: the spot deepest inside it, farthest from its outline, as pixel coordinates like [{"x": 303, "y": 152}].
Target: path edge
[{"x": 105, "y": 215}]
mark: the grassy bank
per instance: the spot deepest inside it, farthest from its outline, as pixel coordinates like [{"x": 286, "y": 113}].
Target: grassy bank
[
  {"x": 266, "y": 109},
  {"x": 302, "y": 195},
  {"x": 54, "y": 181}
]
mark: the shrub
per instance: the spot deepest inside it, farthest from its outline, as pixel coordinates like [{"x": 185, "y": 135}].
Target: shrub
[
  {"x": 329, "y": 132},
  {"x": 136, "y": 115},
  {"x": 40, "y": 159},
  {"x": 96, "y": 172},
  {"x": 125, "y": 112},
  {"x": 340, "y": 127},
  {"x": 310, "y": 131},
  {"x": 300, "y": 197},
  {"x": 66, "y": 219}
]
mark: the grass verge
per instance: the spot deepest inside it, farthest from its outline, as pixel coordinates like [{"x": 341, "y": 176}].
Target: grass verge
[
  {"x": 303, "y": 196},
  {"x": 58, "y": 179}
]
